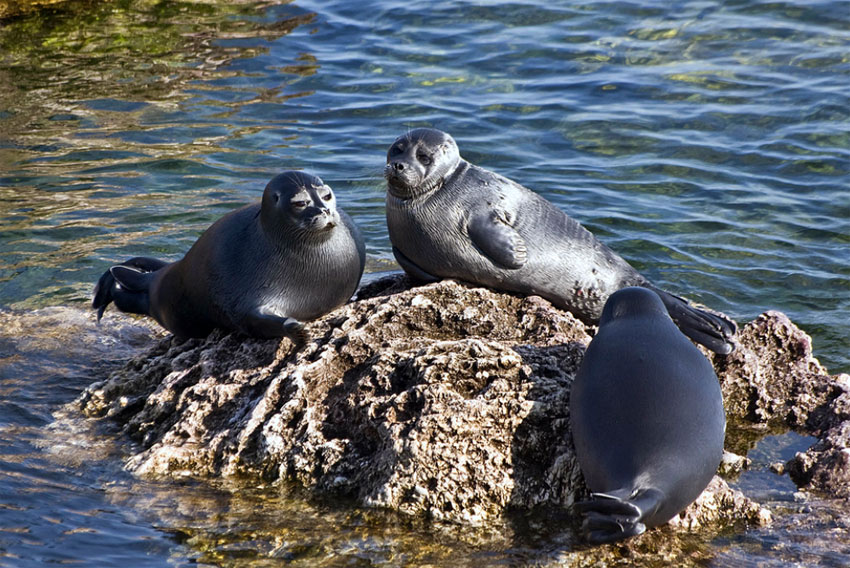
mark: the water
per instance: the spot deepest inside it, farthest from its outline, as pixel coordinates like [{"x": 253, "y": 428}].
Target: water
[{"x": 708, "y": 144}]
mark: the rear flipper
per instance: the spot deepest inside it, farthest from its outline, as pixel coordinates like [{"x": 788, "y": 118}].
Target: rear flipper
[
  {"x": 613, "y": 516},
  {"x": 108, "y": 289},
  {"x": 711, "y": 330}
]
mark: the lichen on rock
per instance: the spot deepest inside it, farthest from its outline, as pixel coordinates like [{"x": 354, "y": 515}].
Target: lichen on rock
[{"x": 446, "y": 400}]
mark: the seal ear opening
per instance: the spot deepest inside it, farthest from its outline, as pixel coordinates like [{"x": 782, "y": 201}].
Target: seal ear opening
[{"x": 130, "y": 278}]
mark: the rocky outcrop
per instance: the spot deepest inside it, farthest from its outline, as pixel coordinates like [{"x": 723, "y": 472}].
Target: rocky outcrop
[
  {"x": 775, "y": 379},
  {"x": 773, "y": 376},
  {"x": 825, "y": 467},
  {"x": 446, "y": 401}
]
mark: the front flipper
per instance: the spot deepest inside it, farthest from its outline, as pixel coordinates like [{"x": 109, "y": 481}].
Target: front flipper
[
  {"x": 493, "y": 234},
  {"x": 268, "y": 326},
  {"x": 412, "y": 269},
  {"x": 609, "y": 517},
  {"x": 714, "y": 331}
]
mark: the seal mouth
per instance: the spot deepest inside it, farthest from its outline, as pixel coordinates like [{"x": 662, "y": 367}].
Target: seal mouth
[
  {"x": 321, "y": 223},
  {"x": 398, "y": 184}
]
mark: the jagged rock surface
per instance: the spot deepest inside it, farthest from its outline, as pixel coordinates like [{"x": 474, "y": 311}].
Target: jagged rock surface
[
  {"x": 773, "y": 376},
  {"x": 445, "y": 400},
  {"x": 825, "y": 467}
]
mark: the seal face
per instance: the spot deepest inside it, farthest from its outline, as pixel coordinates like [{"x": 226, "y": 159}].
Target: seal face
[
  {"x": 448, "y": 218},
  {"x": 258, "y": 270},
  {"x": 418, "y": 162},
  {"x": 647, "y": 419}
]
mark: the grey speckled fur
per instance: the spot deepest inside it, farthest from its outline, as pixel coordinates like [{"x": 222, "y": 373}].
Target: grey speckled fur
[{"x": 448, "y": 218}]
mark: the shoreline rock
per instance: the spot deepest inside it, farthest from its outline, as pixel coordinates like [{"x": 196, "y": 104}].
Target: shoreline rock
[{"x": 445, "y": 401}]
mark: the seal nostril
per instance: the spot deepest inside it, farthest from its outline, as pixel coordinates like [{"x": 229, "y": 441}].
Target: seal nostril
[{"x": 398, "y": 166}]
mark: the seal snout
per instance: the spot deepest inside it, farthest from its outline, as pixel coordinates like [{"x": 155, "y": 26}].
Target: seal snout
[
  {"x": 395, "y": 170},
  {"x": 321, "y": 220},
  {"x": 401, "y": 178}
]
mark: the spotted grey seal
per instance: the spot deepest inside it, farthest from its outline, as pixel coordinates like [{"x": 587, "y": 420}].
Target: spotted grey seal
[
  {"x": 448, "y": 218},
  {"x": 258, "y": 270},
  {"x": 647, "y": 419}
]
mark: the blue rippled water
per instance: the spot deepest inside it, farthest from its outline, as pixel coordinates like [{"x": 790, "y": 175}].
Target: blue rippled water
[{"x": 707, "y": 142}]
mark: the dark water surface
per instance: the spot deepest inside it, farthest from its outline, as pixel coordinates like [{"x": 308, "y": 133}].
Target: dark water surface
[{"x": 708, "y": 143}]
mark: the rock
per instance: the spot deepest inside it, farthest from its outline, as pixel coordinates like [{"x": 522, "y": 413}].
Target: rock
[
  {"x": 720, "y": 504},
  {"x": 731, "y": 465},
  {"x": 772, "y": 376},
  {"x": 825, "y": 467},
  {"x": 445, "y": 401}
]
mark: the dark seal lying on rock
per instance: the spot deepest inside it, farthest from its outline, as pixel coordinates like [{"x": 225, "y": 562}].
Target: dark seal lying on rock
[
  {"x": 259, "y": 270},
  {"x": 647, "y": 419},
  {"x": 448, "y": 218},
  {"x": 445, "y": 401}
]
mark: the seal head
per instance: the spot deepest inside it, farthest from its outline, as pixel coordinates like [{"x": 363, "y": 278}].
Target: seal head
[
  {"x": 419, "y": 162},
  {"x": 299, "y": 202}
]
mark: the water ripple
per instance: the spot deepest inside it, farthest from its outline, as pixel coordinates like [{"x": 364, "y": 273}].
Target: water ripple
[{"x": 708, "y": 143}]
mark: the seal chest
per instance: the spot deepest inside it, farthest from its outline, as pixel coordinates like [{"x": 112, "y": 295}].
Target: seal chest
[
  {"x": 258, "y": 270},
  {"x": 647, "y": 419}
]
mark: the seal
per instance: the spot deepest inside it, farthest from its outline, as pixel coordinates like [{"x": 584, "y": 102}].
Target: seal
[
  {"x": 448, "y": 218},
  {"x": 260, "y": 270},
  {"x": 647, "y": 419}
]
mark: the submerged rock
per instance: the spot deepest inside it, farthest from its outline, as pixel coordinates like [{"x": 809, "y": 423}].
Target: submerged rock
[{"x": 446, "y": 401}]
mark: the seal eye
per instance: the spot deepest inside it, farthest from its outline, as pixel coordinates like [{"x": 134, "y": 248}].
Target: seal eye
[
  {"x": 327, "y": 197},
  {"x": 299, "y": 204},
  {"x": 424, "y": 159}
]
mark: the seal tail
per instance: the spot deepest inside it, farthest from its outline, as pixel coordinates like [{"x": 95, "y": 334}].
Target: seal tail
[
  {"x": 617, "y": 515},
  {"x": 714, "y": 331},
  {"x": 126, "y": 284}
]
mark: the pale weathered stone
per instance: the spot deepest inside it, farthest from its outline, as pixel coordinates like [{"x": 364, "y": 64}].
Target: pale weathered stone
[{"x": 445, "y": 400}]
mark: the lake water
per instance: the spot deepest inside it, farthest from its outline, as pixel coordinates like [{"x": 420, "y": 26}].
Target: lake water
[{"x": 708, "y": 143}]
